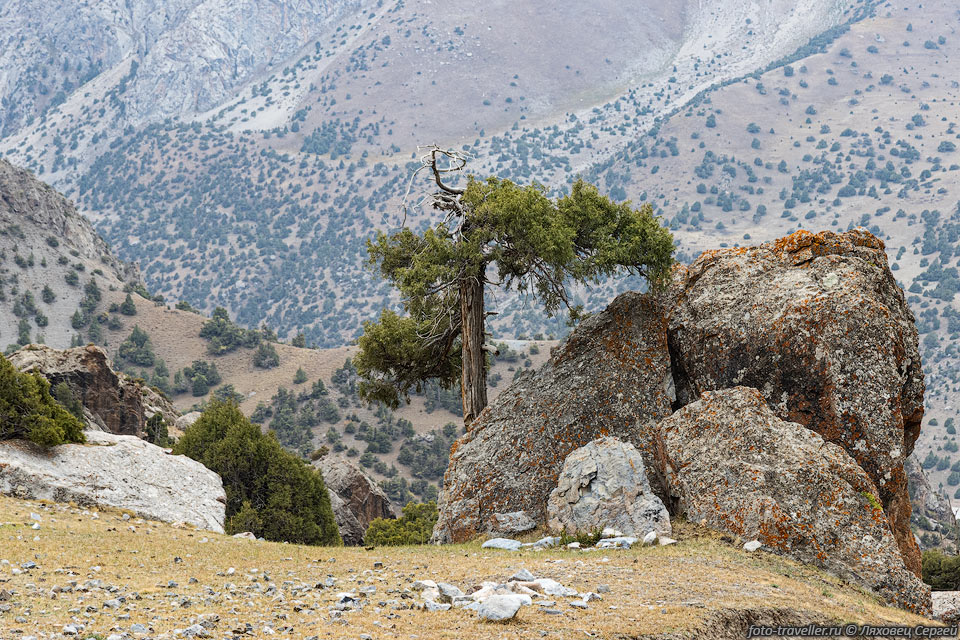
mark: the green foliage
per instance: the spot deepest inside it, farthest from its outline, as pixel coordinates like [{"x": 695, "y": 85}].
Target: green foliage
[
  {"x": 266, "y": 356},
  {"x": 225, "y": 336},
  {"x": 199, "y": 377},
  {"x": 585, "y": 538},
  {"x": 156, "y": 429},
  {"x": 941, "y": 571},
  {"x": 128, "y": 308},
  {"x": 535, "y": 245},
  {"x": 300, "y": 376},
  {"x": 28, "y": 410},
  {"x": 270, "y": 492},
  {"x": 137, "y": 348},
  {"x": 415, "y": 527},
  {"x": 63, "y": 394}
]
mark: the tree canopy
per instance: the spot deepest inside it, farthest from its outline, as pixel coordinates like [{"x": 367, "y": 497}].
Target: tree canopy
[
  {"x": 270, "y": 492},
  {"x": 498, "y": 233}
]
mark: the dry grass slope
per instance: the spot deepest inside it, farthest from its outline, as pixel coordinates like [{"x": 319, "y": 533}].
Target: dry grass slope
[{"x": 702, "y": 585}]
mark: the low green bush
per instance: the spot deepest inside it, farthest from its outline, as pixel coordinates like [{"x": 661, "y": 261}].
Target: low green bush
[
  {"x": 28, "y": 410},
  {"x": 270, "y": 492},
  {"x": 415, "y": 527}
]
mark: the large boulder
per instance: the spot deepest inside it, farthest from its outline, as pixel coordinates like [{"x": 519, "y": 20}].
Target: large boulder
[
  {"x": 113, "y": 402},
  {"x": 359, "y": 499},
  {"x": 604, "y": 484},
  {"x": 123, "y": 472},
  {"x": 611, "y": 377},
  {"x": 819, "y": 325},
  {"x": 730, "y": 463}
]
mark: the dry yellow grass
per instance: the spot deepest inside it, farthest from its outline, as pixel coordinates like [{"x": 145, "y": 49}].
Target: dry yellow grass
[{"x": 653, "y": 590}]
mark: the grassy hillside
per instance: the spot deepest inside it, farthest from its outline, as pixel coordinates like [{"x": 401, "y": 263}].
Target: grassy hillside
[{"x": 172, "y": 578}]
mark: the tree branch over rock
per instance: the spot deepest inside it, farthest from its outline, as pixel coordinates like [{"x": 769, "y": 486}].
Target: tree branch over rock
[{"x": 497, "y": 233}]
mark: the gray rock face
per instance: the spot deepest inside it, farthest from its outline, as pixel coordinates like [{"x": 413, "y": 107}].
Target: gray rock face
[
  {"x": 510, "y": 524},
  {"x": 611, "y": 377},
  {"x": 361, "y": 500},
  {"x": 604, "y": 484},
  {"x": 819, "y": 325},
  {"x": 730, "y": 463},
  {"x": 351, "y": 531},
  {"x": 925, "y": 500},
  {"x": 113, "y": 402},
  {"x": 123, "y": 472},
  {"x": 500, "y": 608}
]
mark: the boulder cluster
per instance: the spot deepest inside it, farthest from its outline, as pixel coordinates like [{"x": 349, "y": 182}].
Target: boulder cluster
[{"x": 771, "y": 392}]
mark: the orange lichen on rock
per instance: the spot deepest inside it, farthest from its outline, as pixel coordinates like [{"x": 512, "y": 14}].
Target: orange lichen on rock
[{"x": 782, "y": 484}]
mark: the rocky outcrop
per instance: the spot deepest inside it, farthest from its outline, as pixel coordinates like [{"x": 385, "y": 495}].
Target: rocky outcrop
[
  {"x": 611, "y": 377},
  {"x": 818, "y": 324},
  {"x": 113, "y": 402},
  {"x": 604, "y": 484},
  {"x": 359, "y": 500},
  {"x": 932, "y": 511},
  {"x": 122, "y": 472},
  {"x": 730, "y": 463}
]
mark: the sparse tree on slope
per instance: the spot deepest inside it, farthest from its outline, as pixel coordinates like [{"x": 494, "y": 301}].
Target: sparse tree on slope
[{"x": 493, "y": 232}]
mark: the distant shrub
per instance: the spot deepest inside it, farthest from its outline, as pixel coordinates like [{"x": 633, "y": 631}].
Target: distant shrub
[
  {"x": 28, "y": 410},
  {"x": 415, "y": 527},
  {"x": 156, "y": 429},
  {"x": 941, "y": 571},
  {"x": 270, "y": 492},
  {"x": 266, "y": 356}
]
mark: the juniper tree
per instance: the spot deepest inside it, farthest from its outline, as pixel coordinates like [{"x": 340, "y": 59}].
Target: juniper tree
[{"x": 493, "y": 232}]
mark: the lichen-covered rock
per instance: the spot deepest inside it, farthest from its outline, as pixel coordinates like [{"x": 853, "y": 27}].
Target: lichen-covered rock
[
  {"x": 818, "y": 324},
  {"x": 611, "y": 377},
  {"x": 604, "y": 484},
  {"x": 359, "y": 495},
  {"x": 114, "y": 402},
  {"x": 123, "y": 472},
  {"x": 730, "y": 463}
]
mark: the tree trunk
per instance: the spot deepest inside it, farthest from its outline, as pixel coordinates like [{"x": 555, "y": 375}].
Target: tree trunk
[{"x": 473, "y": 380}]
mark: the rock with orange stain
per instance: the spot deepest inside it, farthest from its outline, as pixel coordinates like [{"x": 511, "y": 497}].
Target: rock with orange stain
[
  {"x": 731, "y": 464},
  {"x": 611, "y": 377},
  {"x": 819, "y": 325}
]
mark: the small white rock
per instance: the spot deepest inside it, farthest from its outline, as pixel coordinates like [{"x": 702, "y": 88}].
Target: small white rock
[{"x": 753, "y": 545}]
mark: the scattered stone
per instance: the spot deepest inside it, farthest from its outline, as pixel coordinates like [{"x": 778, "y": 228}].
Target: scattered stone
[
  {"x": 753, "y": 545},
  {"x": 499, "y": 608},
  {"x": 505, "y": 544},
  {"x": 650, "y": 538},
  {"x": 603, "y": 588},
  {"x": 579, "y": 604},
  {"x": 665, "y": 541},
  {"x": 554, "y": 588},
  {"x": 448, "y": 592},
  {"x": 617, "y": 543},
  {"x": 605, "y": 484},
  {"x": 430, "y": 605},
  {"x": 523, "y": 576},
  {"x": 246, "y": 535}
]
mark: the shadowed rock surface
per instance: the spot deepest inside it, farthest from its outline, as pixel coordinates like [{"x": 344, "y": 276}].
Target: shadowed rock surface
[
  {"x": 113, "y": 402},
  {"x": 730, "y": 463},
  {"x": 604, "y": 484},
  {"x": 123, "y": 472},
  {"x": 611, "y": 377},
  {"x": 818, "y": 324},
  {"x": 359, "y": 500},
  {"x": 929, "y": 503}
]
